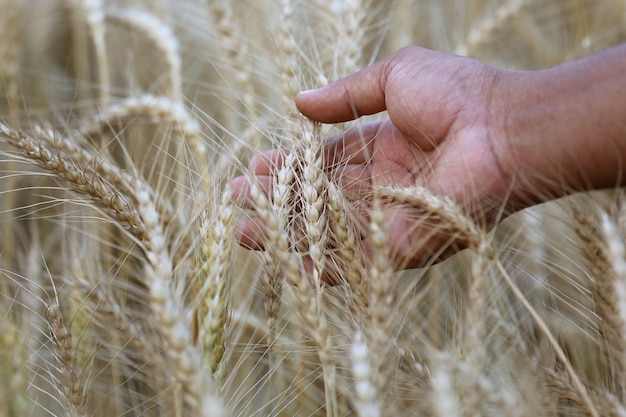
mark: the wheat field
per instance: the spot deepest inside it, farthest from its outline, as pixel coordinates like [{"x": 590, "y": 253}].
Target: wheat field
[{"x": 124, "y": 293}]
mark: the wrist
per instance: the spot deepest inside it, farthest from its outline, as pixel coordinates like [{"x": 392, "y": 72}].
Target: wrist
[
  {"x": 541, "y": 134},
  {"x": 563, "y": 129}
]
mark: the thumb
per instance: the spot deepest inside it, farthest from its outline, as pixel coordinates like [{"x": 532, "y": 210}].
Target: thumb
[{"x": 348, "y": 98}]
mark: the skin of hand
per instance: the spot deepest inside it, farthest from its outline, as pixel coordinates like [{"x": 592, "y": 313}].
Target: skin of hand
[{"x": 483, "y": 136}]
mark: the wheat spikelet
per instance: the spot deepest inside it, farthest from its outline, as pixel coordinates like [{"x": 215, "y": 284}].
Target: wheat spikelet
[
  {"x": 568, "y": 402},
  {"x": 444, "y": 400},
  {"x": 613, "y": 302}
]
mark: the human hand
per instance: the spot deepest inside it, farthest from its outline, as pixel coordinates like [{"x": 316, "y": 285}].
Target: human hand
[{"x": 441, "y": 133}]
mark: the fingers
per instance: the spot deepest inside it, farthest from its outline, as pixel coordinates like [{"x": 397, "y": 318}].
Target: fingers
[
  {"x": 359, "y": 94},
  {"x": 346, "y": 159},
  {"x": 251, "y": 234},
  {"x": 240, "y": 188},
  {"x": 355, "y": 146}
]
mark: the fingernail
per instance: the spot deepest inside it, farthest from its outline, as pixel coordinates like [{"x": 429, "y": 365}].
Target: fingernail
[{"x": 306, "y": 92}]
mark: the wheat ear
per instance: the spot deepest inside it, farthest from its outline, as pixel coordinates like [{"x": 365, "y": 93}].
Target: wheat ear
[
  {"x": 307, "y": 293},
  {"x": 159, "y": 34},
  {"x": 380, "y": 315},
  {"x": 197, "y": 388},
  {"x": 288, "y": 58},
  {"x": 613, "y": 303},
  {"x": 273, "y": 278},
  {"x": 70, "y": 374},
  {"x": 349, "y": 19},
  {"x": 452, "y": 218},
  {"x": 82, "y": 179},
  {"x": 349, "y": 252},
  {"x": 237, "y": 69},
  {"x": 601, "y": 242},
  {"x": 314, "y": 198},
  {"x": 482, "y": 32},
  {"x": 212, "y": 272}
]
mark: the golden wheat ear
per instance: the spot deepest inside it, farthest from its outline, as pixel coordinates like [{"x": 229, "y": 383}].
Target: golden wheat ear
[{"x": 124, "y": 293}]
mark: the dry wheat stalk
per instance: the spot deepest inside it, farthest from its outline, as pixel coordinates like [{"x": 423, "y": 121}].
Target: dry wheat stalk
[
  {"x": 10, "y": 51},
  {"x": 14, "y": 352}
]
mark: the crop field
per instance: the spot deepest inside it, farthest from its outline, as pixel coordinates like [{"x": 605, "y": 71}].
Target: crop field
[{"x": 124, "y": 292}]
